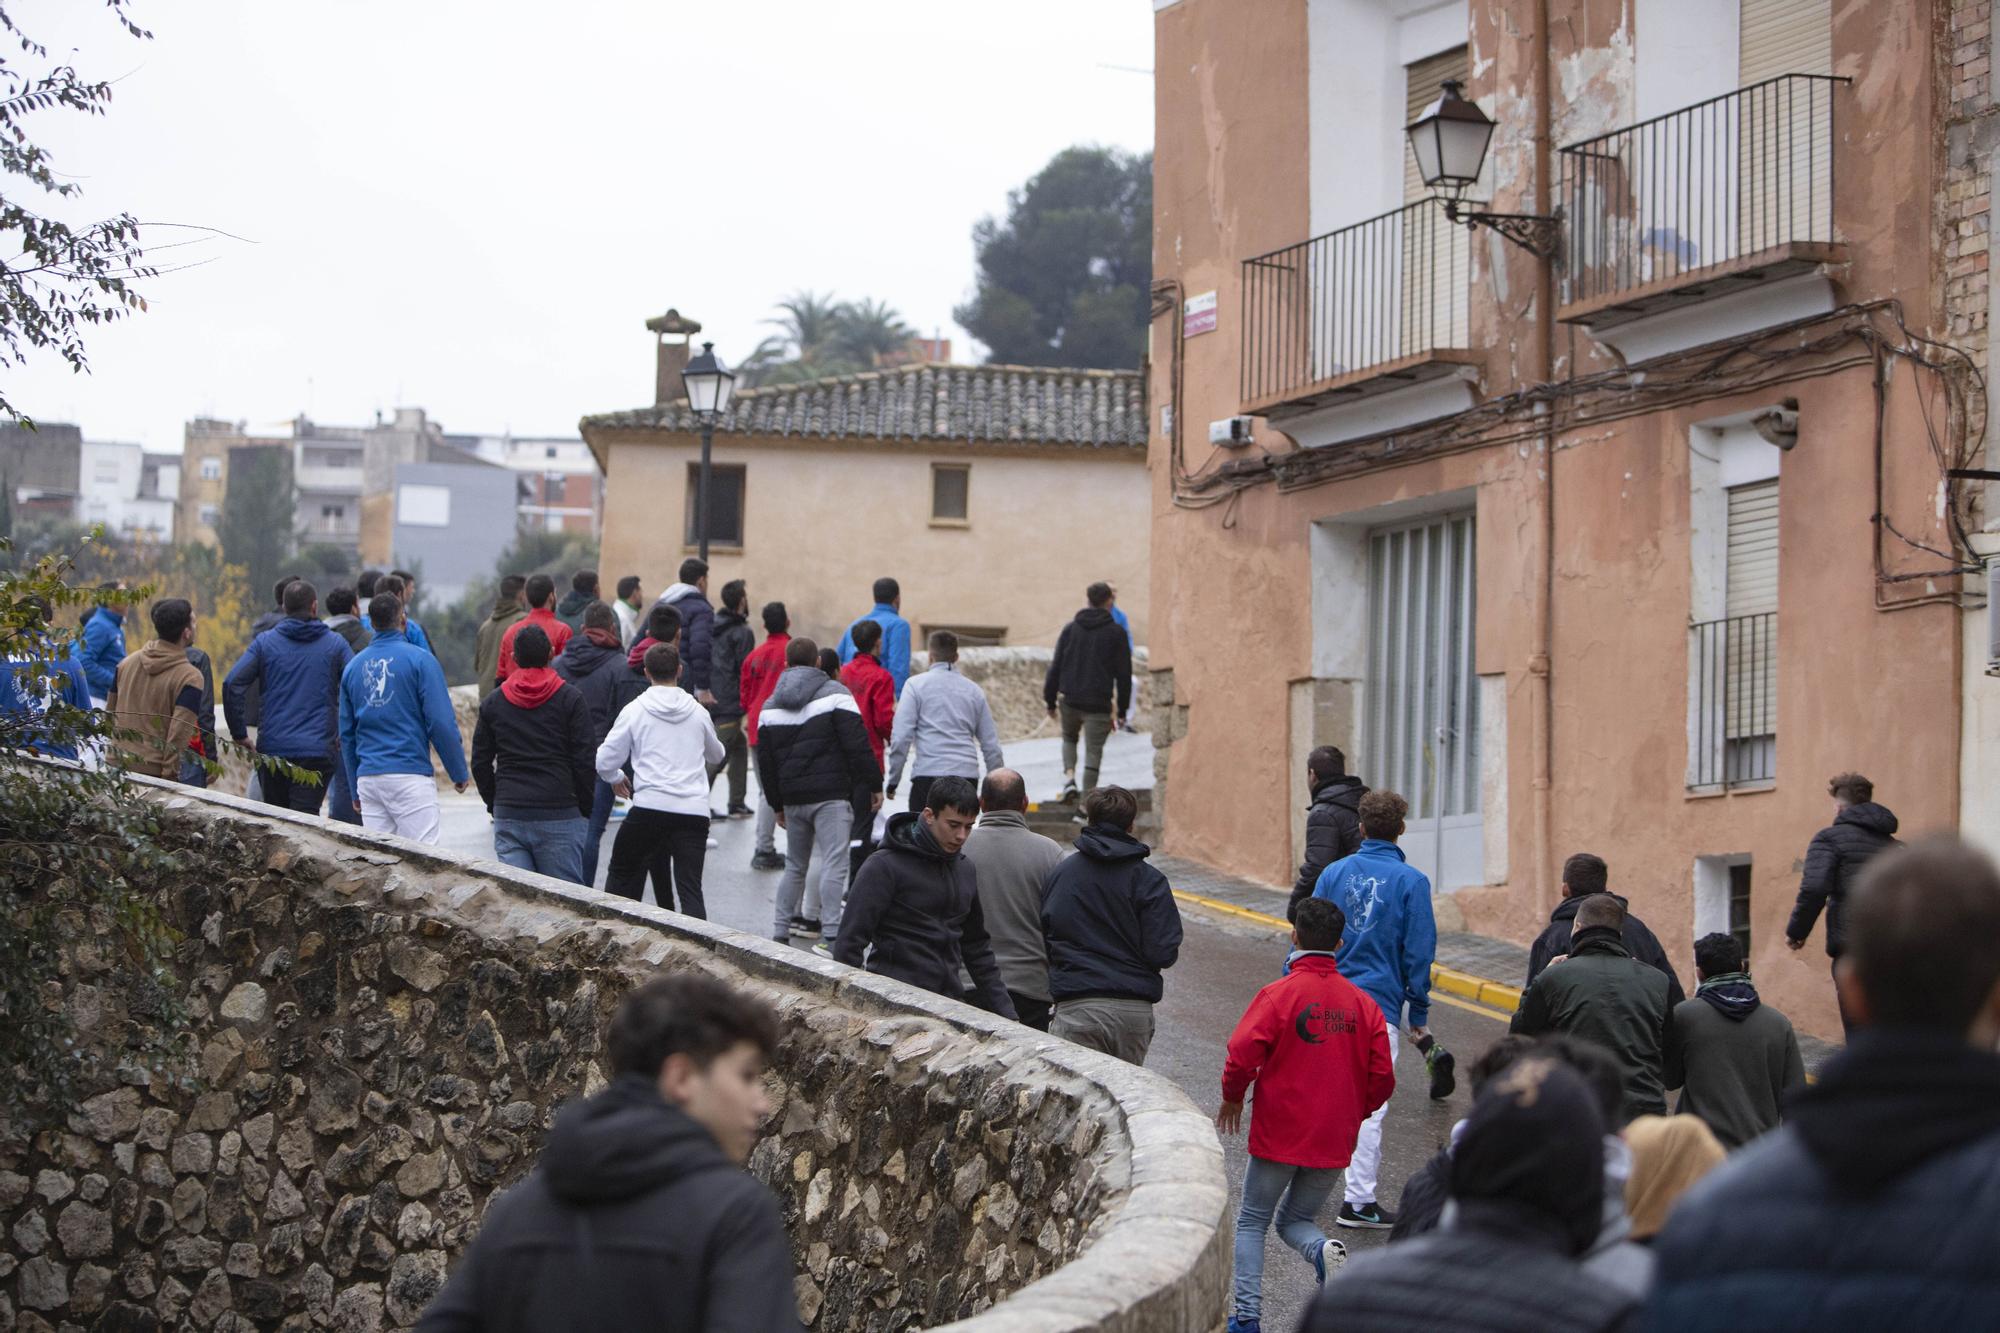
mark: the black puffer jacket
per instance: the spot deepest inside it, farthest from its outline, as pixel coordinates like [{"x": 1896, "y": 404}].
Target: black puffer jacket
[
  {"x": 1640, "y": 942},
  {"x": 1605, "y": 996},
  {"x": 811, "y": 744},
  {"x": 633, "y": 1219},
  {"x": 597, "y": 673},
  {"x": 1092, "y": 666},
  {"x": 1110, "y": 920},
  {"x": 918, "y": 909},
  {"x": 730, "y": 643},
  {"x": 1333, "y": 830},
  {"x": 1833, "y": 860}
]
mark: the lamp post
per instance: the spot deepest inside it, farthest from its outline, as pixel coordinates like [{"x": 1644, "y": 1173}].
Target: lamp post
[
  {"x": 708, "y": 387},
  {"x": 1449, "y": 141}
]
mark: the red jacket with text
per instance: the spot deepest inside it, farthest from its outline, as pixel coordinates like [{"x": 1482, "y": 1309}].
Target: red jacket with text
[
  {"x": 875, "y": 690},
  {"x": 1318, "y": 1050},
  {"x": 761, "y": 670}
]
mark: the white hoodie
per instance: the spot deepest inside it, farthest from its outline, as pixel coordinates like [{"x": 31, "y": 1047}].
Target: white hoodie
[{"x": 670, "y": 742}]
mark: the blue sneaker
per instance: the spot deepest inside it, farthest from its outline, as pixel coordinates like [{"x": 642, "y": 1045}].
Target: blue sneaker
[
  {"x": 1330, "y": 1254},
  {"x": 1245, "y": 1325}
]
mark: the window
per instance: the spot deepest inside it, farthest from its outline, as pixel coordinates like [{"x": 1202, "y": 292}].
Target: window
[
  {"x": 333, "y": 511},
  {"x": 725, "y": 509},
  {"x": 969, "y": 636},
  {"x": 421, "y": 506},
  {"x": 1739, "y": 905},
  {"x": 951, "y": 485},
  {"x": 1423, "y": 83},
  {"x": 210, "y": 516},
  {"x": 1733, "y": 611},
  {"x": 211, "y": 469}
]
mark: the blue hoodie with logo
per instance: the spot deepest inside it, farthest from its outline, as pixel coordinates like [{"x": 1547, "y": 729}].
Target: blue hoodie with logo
[
  {"x": 1391, "y": 938},
  {"x": 394, "y": 706},
  {"x": 298, "y": 666}
]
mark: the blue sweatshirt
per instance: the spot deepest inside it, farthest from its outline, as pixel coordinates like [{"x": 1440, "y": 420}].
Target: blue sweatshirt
[
  {"x": 394, "y": 707},
  {"x": 894, "y": 654},
  {"x": 103, "y": 650},
  {"x": 1391, "y": 939},
  {"x": 25, "y": 700},
  {"x": 298, "y": 667}
]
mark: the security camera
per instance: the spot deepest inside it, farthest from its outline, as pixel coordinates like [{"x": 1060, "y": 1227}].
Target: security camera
[{"x": 1780, "y": 425}]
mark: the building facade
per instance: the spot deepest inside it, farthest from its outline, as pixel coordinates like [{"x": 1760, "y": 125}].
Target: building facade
[
  {"x": 131, "y": 492},
  {"x": 560, "y": 486},
  {"x": 1616, "y": 524}
]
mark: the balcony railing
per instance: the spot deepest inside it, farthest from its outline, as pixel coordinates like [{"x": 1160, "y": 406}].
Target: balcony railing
[
  {"x": 1740, "y": 181},
  {"x": 1326, "y": 314},
  {"x": 1733, "y": 721}
]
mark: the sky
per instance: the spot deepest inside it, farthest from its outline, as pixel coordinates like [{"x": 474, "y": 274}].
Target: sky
[{"x": 474, "y": 207}]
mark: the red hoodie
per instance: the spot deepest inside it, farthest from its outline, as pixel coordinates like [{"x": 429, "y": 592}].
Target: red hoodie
[
  {"x": 875, "y": 690},
  {"x": 761, "y": 670},
  {"x": 541, "y": 618},
  {"x": 1318, "y": 1050},
  {"x": 531, "y": 687}
]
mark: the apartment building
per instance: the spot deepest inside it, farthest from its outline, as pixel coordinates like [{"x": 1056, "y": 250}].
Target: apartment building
[{"x": 561, "y": 488}]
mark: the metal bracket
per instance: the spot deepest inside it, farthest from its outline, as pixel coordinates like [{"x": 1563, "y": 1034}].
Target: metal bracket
[{"x": 1539, "y": 235}]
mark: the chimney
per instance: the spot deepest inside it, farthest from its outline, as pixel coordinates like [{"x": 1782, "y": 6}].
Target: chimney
[{"x": 673, "y": 356}]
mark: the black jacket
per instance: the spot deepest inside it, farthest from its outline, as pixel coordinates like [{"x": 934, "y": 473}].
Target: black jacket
[
  {"x": 1640, "y": 942},
  {"x": 1110, "y": 920},
  {"x": 919, "y": 909},
  {"x": 205, "y": 715},
  {"x": 1092, "y": 665},
  {"x": 598, "y": 673},
  {"x": 1833, "y": 859},
  {"x": 1604, "y": 995},
  {"x": 1333, "y": 830},
  {"x": 546, "y": 755},
  {"x": 633, "y": 1219},
  {"x": 729, "y": 643},
  {"x": 1874, "y": 1207},
  {"x": 811, "y": 744}
]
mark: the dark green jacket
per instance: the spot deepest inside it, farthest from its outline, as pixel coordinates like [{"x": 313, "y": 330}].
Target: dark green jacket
[
  {"x": 1734, "y": 1064},
  {"x": 1601, "y": 994}
]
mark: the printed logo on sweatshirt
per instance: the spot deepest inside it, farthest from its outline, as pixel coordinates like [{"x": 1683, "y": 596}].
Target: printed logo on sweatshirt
[
  {"x": 1316, "y": 1023},
  {"x": 1364, "y": 894},
  {"x": 376, "y": 678}
]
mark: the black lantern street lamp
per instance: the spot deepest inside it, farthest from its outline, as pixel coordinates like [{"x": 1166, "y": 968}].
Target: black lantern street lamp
[
  {"x": 1450, "y": 141},
  {"x": 709, "y": 384}
]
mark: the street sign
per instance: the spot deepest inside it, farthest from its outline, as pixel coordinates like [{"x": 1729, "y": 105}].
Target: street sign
[{"x": 1198, "y": 314}]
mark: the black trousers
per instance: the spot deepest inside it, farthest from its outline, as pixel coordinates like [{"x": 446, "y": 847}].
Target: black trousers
[
  {"x": 861, "y": 844},
  {"x": 920, "y": 789},
  {"x": 669, "y": 847},
  {"x": 1034, "y": 1013},
  {"x": 305, "y": 797}
]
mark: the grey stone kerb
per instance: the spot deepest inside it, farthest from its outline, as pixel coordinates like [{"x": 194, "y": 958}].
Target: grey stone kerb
[{"x": 1145, "y": 1196}]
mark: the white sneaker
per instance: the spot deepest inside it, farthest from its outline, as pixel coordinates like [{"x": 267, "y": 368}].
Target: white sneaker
[{"x": 713, "y": 844}]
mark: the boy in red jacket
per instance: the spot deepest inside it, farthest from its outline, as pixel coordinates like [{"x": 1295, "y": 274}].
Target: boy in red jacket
[{"x": 1318, "y": 1050}]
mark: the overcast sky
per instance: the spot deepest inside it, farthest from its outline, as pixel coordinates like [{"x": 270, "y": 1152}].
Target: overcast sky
[{"x": 474, "y": 207}]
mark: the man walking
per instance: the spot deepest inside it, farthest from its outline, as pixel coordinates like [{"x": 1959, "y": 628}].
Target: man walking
[
  {"x": 540, "y": 591},
  {"x": 812, "y": 752},
  {"x": 342, "y": 618},
  {"x": 916, "y": 912},
  {"x": 297, "y": 667},
  {"x": 732, "y": 641},
  {"x": 534, "y": 757},
  {"x": 582, "y": 592},
  {"x": 639, "y": 1213},
  {"x": 156, "y": 695},
  {"x": 594, "y": 662},
  {"x": 690, "y": 598},
  {"x": 404, "y": 584},
  {"x": 1112, "y": 928},
  {"x": 1734, "y": 1058},
  {"x": 1014, "y": 864},
  {"x": 1861, "y": 831},
  {"x": 630, "y": 608},
  {"x": 948, "y": 721},
  {"x": 895, "y": 647},
  {"x": 1091, "y": 677},
  {"x": 1318, "y": 1051},
  {"x": 670, "y": 742},
  {"x": 509, "y": 609},
  {"x": 394, "y": 710},
  {"x": 1601, "y": 994},
  {"x": 1387, "y": 946},
  {"x": 1333, "y": 824},
  {"x": 1583, "y": 876},
  {"x": 874, "y": 690},
  {"x": 104, "y": 645},
  {"x": 760, "y": 676}
]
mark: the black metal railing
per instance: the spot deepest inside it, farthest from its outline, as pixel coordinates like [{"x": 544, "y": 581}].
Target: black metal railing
[
  {"x": 1382, "y": 290},
  {"x": 1733, "y": 733},
  {"x": 1722, "y": 180}
]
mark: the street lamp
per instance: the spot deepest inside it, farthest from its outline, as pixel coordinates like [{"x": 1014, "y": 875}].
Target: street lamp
[
  {"x": 709, "y": 384},
  {"x": 1450, "y": 141}
]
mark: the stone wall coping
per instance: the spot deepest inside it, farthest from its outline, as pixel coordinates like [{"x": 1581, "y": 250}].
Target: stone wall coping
[{"x": 1157, "y": 1260}]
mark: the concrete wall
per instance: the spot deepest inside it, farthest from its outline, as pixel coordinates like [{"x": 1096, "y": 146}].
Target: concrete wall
[
  {"x": 479, "y": 525},
  {"x": 380, "y": 1038}
]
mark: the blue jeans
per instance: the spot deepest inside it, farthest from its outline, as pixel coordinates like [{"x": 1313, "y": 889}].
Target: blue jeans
[
  {"x": 553, "y": 847},
  {"x": 593, "y": 839},
  {"x": 1295, "y": 1194}
]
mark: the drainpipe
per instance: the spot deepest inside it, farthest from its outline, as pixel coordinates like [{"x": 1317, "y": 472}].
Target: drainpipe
[{"x": 1539, "y": 665}]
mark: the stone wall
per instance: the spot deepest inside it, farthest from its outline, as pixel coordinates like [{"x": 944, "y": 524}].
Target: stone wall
[
  {"x": 1012, "y": 679},
  {"x": 381, "y": 1036},
  {"x": 1971, "y": 134}
]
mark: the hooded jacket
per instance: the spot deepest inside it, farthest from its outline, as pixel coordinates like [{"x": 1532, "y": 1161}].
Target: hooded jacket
[
  {"x": 811, "y": 746},
  {"x": 632, "y": 1219},
  {"x": 759, "y": 677},
  {"x": 571, "y": 607},
  {"x": 297, "y": 667},
  {"x": 1333, "y": 830},
  {"x": 1602, "y": 994},
  {"x": 103, "y": 650},
  {"x": 26, "y": 700},
  {"x": 670, "y": 741},
  {"x": 1110, "y": 921},
  {"x": 350, "y": 628},
  {"x": 1834, "y": 859},
  {"x": 1734, "y": 1058},
  {"x": 534, "y": 749},
  {"x": 1092, "y": 666},
  {"x": 894, "y": 650},
  {"x": 597, "y": 669},
  {"x": 874, "y": 691},
  {"x": 697, "y": 635},
  {"x": 486, "y": 646},
  {"x": 394, "y": 708},
  {"x": 918, "y": 907},
  {"x": 157, "y": 694},
  {"x": 946, "y": 719},
  {"x": 731, "y": 643},
  {"x": 1873, "y": 1207},
  {"x": 1640, "y": 942},
  {"x": 545, "y": 620},
  {"x": 1391, "y": 936}
]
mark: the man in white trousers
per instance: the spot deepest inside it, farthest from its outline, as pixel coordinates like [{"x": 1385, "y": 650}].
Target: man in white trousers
[{"x": 394, "y": 708}]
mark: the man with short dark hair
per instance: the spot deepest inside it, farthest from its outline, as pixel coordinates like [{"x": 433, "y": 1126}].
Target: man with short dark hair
[
  {"x": 1112, "y": 928},
  {"x": 639, "y": 1214},
  {"x": 1875, "y": 1205},
  {"x": 1585, "y": 874},
  {"x": 630, "y": 608},
  {"x": 759, "y": 677},
  {"x": 343, "y": 619},
  {"x": 689, "y": 597},
  {"x": 297, "y": 667},
  {"x": 1089, "y": 685},
  {"x": 1014, "y": 864},
  {"x": 156, "y": 695},
  {"x": 1333, "y": 822},
  {"x": 594, "y": 661},
  {"x": 1861, "y": 830},
  {"x": 394, "y": 710},
  {"x": 364, "y": 586},
  {"x": 895, "y": 649},
  {"x": 915, "y": 913},
  {"x": 534, "y": 757},
  {"x": 669, "y": 742},
  {"x": 948, "y": 722},
  {"x": 874, "y": 691},
  {"x": 731, "y": 643},
  {"x": 407, "y": 590},
  {"x": 582, "y": 592},
  {"x": 1734, "y": 1058},
  {"x": 510, "y": 607},
  {"x": 540, "y": 590}
]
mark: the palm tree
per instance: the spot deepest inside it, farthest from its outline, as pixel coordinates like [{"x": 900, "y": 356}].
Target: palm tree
[
  {"x": 809, "y": 322},
  {"x": 866, "y": 331}
]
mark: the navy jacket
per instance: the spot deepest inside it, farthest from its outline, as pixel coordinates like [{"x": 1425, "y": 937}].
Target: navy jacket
[
  {"x": 697, "y": 631},
  {"x": 598, "y": 673},
  {"x": 1110, "y": 920},
  {"x": 1833, "y": 861},
  {"x": 297, "y": 666},
  {"x": 103, "y": 649}
]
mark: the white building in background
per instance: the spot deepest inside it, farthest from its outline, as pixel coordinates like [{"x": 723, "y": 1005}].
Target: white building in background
[
  {"x": 562, "y": 489},
  {"x": 131, "y": 492}
]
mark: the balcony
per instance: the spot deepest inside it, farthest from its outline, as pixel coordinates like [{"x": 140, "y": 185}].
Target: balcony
[
  {"x": 326, "y": 479},
  {"x": 1732, "y": 702},
  {"x": 1718, "y": 197},
  {"x": 1364, "y": 310}
]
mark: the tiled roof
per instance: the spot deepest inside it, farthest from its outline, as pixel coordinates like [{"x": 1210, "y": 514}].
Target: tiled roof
[{"x": 976, "y": 404}]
